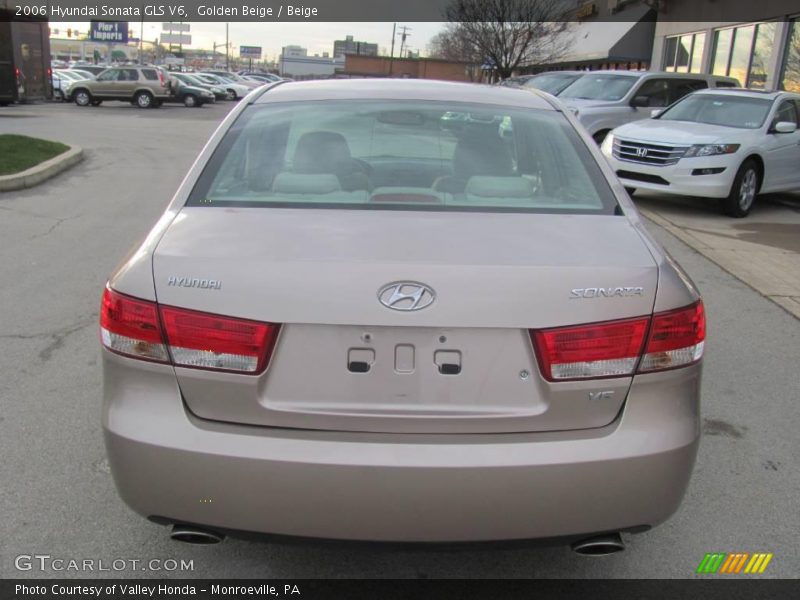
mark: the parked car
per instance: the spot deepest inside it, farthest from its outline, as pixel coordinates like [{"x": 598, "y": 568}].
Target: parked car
[
  {"x": 61, "y": 83},
  {"x": 543, "y": 382},
  {"x": 93, "y": 69},
  {"x": 603, "y": 100},
  {"x": 234, "y": 90},
  {"x": 553, "y": 82},
  {"x": 195, "y": 81},
  {"x": 189, "y": 95},
  {"x": 728, "y": 144},
  {"x": 234, "y": 78},
  {"x": 82, "y": 73},
  {"x": 145, "y": 87},
  {"x": 514, "y": 82},
  {"x": 266, "y": 78}
]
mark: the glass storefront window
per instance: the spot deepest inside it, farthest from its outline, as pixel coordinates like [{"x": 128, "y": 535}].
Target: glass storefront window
[
  {"x": 696, "y": 64},
  {"x": 684, "y": 53},
  {"x": 765, "y": 38},
  {"x": 791, "y": 70},
  {"x": 740, "y": 54},
  {"x": 722, "y": 51}
]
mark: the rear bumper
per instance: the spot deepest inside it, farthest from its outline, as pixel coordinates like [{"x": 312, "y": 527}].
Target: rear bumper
[{"x": 399, "y": 487}]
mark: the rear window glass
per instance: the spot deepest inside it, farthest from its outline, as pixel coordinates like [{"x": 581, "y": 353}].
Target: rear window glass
[
  {"x": 150, "y": 74},
  {"x": 410, "y": 155}
]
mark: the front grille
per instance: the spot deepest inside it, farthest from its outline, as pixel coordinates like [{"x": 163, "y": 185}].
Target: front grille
[
  {"x": 646, "y": 177},
  {"x": 658, "y": 155}
]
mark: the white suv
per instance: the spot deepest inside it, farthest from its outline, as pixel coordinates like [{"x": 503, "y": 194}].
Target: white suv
[
  {"x": 603, "y": 100},
  {"x": 726, "y": 144}
]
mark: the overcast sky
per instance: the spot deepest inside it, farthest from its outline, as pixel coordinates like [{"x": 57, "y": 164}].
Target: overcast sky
[{"x": 317, "y": 37}]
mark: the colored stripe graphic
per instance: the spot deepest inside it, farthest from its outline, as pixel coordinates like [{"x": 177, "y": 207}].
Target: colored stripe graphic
[
  {"x": 759, "y": 562},
  {"x": 711, "y": 562}
]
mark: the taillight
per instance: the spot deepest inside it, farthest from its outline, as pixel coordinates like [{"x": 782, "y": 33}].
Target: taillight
[
  {"x": 614, "y": 348},
  {"x": 161, "y": 77},
  {"x": 676, "y": 339},
  {"x": 209, "y": 341},
  {"x": 133, "y": 327},
  {"x": 609, "y": 349}
]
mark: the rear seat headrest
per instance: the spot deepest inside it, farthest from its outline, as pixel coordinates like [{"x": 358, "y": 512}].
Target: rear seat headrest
[
  {"x": 499, "y": 187},
  {"x": 305, "y": 183}
]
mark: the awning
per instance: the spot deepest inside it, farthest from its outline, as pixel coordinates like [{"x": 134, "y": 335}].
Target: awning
[{"x": 630, "y": 40}]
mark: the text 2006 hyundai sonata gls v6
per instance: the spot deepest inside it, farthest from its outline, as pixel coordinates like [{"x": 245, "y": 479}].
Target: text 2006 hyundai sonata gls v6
[{"x": 354, "y": 323}]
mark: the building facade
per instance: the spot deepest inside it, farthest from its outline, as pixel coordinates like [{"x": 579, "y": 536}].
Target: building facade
[
  {"x": 413, "y": 68},
  {"x": 762, "y": 52},
  {"x": 295, "y": 62},
  {"x": 349, "y": 46}
]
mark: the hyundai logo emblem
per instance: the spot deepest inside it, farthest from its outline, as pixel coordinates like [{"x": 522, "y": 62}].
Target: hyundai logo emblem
[
  {"x": 406, "y": 295},
  {"x": 641, "y": 152}
]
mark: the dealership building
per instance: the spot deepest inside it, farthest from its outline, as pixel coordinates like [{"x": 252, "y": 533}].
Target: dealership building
[{"x": 762, "y": 52}]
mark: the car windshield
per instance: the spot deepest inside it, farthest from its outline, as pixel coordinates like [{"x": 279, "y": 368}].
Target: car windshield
[
  {"x": 720, "y": 109},
  {"x": 552, "y": 83},
  {"x": 194, "y": 79},
  {"x": 410, "y": 155},
  {"x": 600, "y": 87}
]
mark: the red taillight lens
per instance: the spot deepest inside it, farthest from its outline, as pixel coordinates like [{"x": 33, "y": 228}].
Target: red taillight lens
[
  {"x": 131, "y": 327},
  {"x": 209, "y": 341},
  {"x": 609, "y": 349},
  {"x": 189, "y": 338},
  {"x": 613, "y": 348},
  {"x": 676, "y": 339}
]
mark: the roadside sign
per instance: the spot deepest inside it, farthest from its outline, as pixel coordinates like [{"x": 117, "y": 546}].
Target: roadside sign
[
  {"x": 109, "y": 31},
  {"x": 185, "y": 27},
  {"x": 250, "y": 52},
  {"x": 182, "y": 39}
]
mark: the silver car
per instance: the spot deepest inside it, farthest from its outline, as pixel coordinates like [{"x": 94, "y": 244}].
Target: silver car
[{"x": 352, "y": 323}]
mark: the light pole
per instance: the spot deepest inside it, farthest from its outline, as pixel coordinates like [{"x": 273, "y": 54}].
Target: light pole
[{"x": 227, "y": 50}]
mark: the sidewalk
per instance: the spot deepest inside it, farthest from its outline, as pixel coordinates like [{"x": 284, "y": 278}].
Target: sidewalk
[{"x": 762, "y": 250}]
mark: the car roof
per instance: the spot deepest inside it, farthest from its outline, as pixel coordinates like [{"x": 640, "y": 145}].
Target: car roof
[
  {"x": 659, "y": 74},
  {"x": 401, "y": 89},
  {"x": 748, "y": 93}
]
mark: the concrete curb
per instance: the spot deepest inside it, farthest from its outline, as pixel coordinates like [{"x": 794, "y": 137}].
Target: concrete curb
[
  {"x": 788, "y": 303},
  {"x": 42, "y": 171}
]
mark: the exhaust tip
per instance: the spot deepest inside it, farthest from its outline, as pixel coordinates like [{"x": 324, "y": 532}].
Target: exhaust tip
[
  {"x": 601, "y": 545},
  {"x": 195, "y": 535}
]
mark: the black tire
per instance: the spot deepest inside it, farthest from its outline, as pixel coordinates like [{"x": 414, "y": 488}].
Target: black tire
[
  {"x": 231, "y": 95},
  {"x": 744, "y": 190},
  {"x": 96, "y": 102},
  {"x": 600, "y": 136},
  {"x": 190, "y": 101},
  {"x": 58, "y": 95},
  {"x": 82, "y": 97},
  {"x": 631, "y": 191},
  {"x": 144, "y": 99}
]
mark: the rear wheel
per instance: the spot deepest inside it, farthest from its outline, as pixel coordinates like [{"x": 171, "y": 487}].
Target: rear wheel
[
  {"x": 143, "y": 99},
  {"x": 190, "y": 100},
  {"x": 231, "y": 95},
  {"x": 743, "y": 191},
  {"x": 82, "y": 97}
]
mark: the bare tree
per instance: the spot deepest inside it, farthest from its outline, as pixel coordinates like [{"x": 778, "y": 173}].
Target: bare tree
[
  {"x": 506, "y": 34},
  {"x": 450, "y": 44}
]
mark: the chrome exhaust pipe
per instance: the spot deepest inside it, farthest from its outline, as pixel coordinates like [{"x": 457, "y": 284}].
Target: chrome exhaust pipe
[
  {"x": 600, "y": 545},
  {"x": 189, "y": 534}
]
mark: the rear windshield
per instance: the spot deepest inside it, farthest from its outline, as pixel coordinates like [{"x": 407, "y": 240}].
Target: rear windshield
[
  {"x": 411, "y": 155},
  {"x": 552, "y": 83},
  {"x": 728, "y": 110},
  {"x": 600, "y": 87}
]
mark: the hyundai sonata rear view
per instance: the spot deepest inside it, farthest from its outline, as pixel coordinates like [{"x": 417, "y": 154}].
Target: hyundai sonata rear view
[{"x": 357, "y": 321}]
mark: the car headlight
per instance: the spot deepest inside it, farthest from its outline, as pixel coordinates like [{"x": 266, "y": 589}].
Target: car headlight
[
  {"x": 710, "y": 150},
  {"x": 607, "y": 144}
]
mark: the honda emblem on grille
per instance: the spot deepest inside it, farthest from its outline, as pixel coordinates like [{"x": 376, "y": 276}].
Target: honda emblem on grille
[
  {"x": 641, "y": 152},
  {"x": 406, "y": 295}
]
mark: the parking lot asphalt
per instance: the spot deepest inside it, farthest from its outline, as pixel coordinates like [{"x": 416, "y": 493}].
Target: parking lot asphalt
[{"x": 61, "y": 240}]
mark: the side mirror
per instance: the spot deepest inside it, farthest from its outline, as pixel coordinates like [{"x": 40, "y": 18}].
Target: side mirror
[
  {"x": 640, "y": 101},
  {"x": 784, "y": 127},
  {"x": 655, "y": 112}
]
